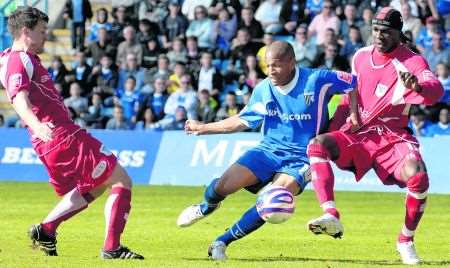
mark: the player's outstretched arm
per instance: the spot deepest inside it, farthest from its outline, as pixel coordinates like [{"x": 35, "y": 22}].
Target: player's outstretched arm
[
  {"x": 228, "y": 125},
  {"x": 22, "y": 106}
]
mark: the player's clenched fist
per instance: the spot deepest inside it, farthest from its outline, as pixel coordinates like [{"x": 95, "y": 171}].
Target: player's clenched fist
[
  {"x": 192, "y": 127},
  {"x": 410, "y": 81}
]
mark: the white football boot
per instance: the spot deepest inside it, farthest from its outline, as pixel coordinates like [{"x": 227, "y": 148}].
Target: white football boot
[
  {"x": 408, "y": 253},
  {"x": 326, "y": 224},
  {"x": 190, "y": 215},
  {"x": 216, "y": 251}
]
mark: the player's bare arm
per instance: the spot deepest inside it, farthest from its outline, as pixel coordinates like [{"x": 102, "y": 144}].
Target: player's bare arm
[
  {"x": 353, "y": 117},
  {"x": 228, "y": 125},
  {"x": 22, "y": 105}
]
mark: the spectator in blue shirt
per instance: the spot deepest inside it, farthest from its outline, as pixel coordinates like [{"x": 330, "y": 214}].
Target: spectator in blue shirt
[
  {"x": 441, "y": 127},
  {"x": 129, "y": 99},
  {"x": 102, "y": 22}
]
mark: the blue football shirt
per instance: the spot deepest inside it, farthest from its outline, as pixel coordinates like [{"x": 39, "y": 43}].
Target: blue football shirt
[{"x": 293, "y": 114}]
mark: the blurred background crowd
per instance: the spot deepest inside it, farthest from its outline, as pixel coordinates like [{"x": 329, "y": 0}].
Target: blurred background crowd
[{"x": 151, "y": 65}]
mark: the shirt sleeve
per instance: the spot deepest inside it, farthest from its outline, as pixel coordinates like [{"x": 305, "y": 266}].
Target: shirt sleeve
[
  {"x": 342, "y": 82},
  {"x": 253, "y": 113},
  {"x": 19, "y": 71}
]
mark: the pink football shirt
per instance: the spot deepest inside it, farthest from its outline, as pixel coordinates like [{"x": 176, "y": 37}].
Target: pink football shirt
[{"x": 383, "y": 99}]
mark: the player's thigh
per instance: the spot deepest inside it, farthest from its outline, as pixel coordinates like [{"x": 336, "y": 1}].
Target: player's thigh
[
  {"x": 119, "y": 178},
  {"x": 286, "y": 181},
  {"x": 235, "y": 178}
]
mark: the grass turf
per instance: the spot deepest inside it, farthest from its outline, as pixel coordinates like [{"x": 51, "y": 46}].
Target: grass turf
[{"x": 372, "y": 221}]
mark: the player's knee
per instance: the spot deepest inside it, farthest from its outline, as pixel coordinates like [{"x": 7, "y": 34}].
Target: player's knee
[
  {"x": 418, "y": 183},
  {"x": 317, "y": 150},
  {"x": 119, "y": 178},
  {"x": 289, "y": 183}
]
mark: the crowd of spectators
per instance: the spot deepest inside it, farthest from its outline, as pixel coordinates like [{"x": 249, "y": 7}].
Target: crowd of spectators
[{"x": 154, "y": 64}]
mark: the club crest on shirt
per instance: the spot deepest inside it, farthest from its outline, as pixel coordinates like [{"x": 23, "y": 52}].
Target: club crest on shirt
[
  {"x": 309, "y": 98},
  {"x": 15, "y": 81},
  {"x": 45, "y": 78},
  {"x": 380, "y": 90}
]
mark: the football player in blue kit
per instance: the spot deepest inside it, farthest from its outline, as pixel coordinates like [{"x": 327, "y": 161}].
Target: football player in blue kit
[{"x": 291, "y": 105}]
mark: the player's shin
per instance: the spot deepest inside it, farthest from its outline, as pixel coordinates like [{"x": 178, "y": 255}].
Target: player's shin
[
  {"x": 212, "y": 199},
  {"x": 248, "y": 223},
  {"x": 415, "y": 205},
  {"x": 322, "y": 177},
  {"x": 72, "y": 203},
  {"x": 117, "y": 208}
]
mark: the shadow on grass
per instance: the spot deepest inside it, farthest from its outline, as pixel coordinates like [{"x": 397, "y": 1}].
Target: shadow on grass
[{"x": 304, "y": 259}]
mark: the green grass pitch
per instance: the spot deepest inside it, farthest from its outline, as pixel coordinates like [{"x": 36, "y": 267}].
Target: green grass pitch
[{"x": 371, "y": 220}]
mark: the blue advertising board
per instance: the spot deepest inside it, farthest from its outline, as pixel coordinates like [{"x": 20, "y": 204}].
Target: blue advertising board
[
  {"x": 135, "y": 150},
  {"x": 174, "y": 158}
]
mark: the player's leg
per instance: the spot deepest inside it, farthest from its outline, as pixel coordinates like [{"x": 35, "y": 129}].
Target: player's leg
[
  {"x": 321, "y": 150},
  {"x": 117, "y": 209},
  {"x": 235, "y": 178},
  {"x": 413, "y": 173},
  {"x": 249, "y": 222},
  {"x": 255, "y": 163}
]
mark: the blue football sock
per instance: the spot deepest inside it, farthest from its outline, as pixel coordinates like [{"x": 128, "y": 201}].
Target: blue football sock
[
  {"x": 249, "y": 222},
  {"x": 212, "y": 199}
]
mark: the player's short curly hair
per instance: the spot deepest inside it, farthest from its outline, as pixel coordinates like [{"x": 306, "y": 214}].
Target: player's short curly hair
[{"x": 25, "y": 16}]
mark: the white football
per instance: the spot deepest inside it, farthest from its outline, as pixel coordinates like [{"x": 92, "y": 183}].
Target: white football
[{"x": 275, "y": 204}]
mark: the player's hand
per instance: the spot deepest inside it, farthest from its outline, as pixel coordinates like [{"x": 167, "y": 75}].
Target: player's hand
[
  {"x": 410, "y": 81},
  {"x": 352, "y": 119},
  {"x": 44, "y": 131},
  {"x": 192, "y": 127}
]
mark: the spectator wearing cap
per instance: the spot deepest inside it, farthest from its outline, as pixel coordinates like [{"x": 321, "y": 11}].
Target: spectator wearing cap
[
  {"x": 78, "y": 11},
  {"x": 189, "y": 7},
  {"x": 102, "y": 22},
  {"x": 437, "y": 53},
  {"x": 248, "y": 22},
  {"x": 201, "y": 28},
  {"x": 147, "y": 30},
  {"x": 441, "y": 128},
  {"x": 292, "y": 14},
  {"x": 326, "y": 19},
  {"x": 305, "y": 51},
  {"x": 102, "y": 46},
  {"x": 173, "y": 25},
  {"x": 268, "y": 14},
  {"x": 424, "y": 39},
  {"x": 410, "y": 21}
]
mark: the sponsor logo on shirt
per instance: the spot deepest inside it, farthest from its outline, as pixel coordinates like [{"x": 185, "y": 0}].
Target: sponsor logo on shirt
[
  {"x": 289, "y": 117},
  {"x": 15, "y": 81},
  {"x": 380, "y": 90},
  {"x": 345, "y": 77}
]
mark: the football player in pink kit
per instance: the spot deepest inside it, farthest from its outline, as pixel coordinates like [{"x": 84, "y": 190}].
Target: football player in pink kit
[
  {"x": 390, "y": 78},
  {"x": 80, "y": 167}
]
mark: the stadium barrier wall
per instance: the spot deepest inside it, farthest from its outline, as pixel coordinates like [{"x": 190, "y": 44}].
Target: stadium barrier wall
[{"x": 173, "y": 158}]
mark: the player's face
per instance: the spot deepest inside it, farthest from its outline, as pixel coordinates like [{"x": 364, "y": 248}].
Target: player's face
[
  {"x": 384, "y": 38},
  {"x": 279, "y": 70},
  {"x": 36, "y": 37}
]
